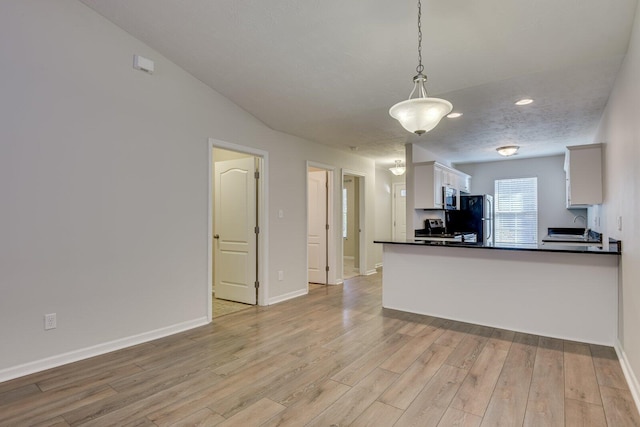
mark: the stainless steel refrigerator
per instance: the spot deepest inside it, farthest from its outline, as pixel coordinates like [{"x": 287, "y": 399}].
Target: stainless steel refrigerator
[{"x": 475, "y": 215}]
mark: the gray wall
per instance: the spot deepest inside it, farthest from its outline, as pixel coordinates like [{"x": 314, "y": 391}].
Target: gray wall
[
  {"x": 552, "y": 211},
  {"x": 104, "y": 188},
  {"x": 620, "y": 132}
]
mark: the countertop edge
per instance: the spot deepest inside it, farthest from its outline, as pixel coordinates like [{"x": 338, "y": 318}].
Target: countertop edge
[{"x": 614, "y": 247}]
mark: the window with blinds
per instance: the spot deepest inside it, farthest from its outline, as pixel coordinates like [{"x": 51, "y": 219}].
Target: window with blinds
[{"x": 516, "y": 212}]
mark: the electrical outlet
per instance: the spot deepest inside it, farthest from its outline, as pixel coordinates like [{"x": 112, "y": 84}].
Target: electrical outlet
[
  {"x": 619, "y": 223},
  {"x": 50, "y": 321},
  {"x": 280, "y": 275}
]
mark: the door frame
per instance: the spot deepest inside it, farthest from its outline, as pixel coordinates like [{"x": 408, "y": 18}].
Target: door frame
[
  {"x": 331, "y": 236},
  {"x": 263, "y": 219},
  {"x": 362, "y": 248}
]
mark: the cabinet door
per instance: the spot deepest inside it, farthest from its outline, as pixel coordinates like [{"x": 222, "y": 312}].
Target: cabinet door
[
  {"x": 448, "y": 178},
  {"x": 467, "y": 184},
  {"x": 438, "y": 182},
  {"x": 583, "y": 165},
  {"x": 423, "y": 186}
]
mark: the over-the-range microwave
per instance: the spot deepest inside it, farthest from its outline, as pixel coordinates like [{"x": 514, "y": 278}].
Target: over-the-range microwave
[{"x": 449, "y": 198}]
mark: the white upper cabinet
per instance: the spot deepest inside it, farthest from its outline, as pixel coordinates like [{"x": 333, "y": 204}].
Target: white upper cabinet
[
  {"x": 427, "y": 187},
  {"x": 583, "y": 166},
  {"x": 464, "y": 183},
  {"x": 430, "y": 177}
]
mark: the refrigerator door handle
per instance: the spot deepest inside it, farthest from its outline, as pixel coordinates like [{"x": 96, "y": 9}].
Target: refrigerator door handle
[{"x": 490, "y": 203}]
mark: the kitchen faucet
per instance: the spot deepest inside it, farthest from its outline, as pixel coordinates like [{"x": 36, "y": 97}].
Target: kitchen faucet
[{"x": 586, "y": 229}]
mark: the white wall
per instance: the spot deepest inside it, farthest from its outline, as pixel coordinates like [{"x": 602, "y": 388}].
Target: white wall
[
  {"x": 384, "y": 200},
  {"x": 349, "y": 243},
  {"x": 620, "y": 132},
  {"x": 552, "y": 211},
  {"x": 103, "y": 183},
  {"x": 420, "y": 154}
]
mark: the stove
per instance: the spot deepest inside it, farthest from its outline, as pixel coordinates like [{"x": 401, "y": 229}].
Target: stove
[{"x": 434, "y": 230}]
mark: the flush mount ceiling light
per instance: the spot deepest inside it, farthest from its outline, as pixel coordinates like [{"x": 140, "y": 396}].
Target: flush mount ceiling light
[
  {"x": 454, "y": 115},
  {"x": 524, "y": 101},
  {"x": 420, "y": 114},
  {"x": 508, "y": 150},
  {"x": 398, "y": 169}
]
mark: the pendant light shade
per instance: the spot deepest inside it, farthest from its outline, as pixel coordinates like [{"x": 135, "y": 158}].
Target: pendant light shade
[
  {"x": 422, "y": 113},
  {"x": 398, "y": 169}
]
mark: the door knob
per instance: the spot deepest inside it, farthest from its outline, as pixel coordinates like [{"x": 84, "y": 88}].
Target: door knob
[{"x": 216, "y": 236}]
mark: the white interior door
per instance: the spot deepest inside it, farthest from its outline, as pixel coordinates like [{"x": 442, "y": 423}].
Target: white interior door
[
  {"x": 399, "y": 211},
  {"x": 234, "y": 230},
  {"x": 317, "y": 235}
]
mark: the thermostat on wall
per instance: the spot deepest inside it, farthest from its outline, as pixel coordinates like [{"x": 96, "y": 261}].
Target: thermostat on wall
[{"x": 142, "y": 63}]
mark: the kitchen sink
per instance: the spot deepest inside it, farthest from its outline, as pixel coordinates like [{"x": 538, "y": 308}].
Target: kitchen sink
[
  {"x": 575, "y": 237},
  {"x": 572, "y": 236}
]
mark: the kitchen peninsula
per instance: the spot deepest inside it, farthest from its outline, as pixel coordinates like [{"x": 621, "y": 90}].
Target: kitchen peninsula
[{"x": 562, "y": 292}]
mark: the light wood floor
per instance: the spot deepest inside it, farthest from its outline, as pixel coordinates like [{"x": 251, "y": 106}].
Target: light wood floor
[
  {"x": 332, "y": 358},
  {"x": 348, "y": 268}
]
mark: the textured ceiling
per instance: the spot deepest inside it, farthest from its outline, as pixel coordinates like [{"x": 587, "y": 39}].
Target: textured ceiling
[{"x": 329, "y": 70}]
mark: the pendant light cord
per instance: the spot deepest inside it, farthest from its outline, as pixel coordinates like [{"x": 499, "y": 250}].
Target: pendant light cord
[{"x": 420, "y": 67}]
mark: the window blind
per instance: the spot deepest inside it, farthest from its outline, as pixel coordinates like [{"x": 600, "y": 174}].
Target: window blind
[{"x": 516, "y": 212}]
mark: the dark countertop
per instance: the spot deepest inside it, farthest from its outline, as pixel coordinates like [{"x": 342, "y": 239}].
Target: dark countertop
[{"x": 614, "y": 247}]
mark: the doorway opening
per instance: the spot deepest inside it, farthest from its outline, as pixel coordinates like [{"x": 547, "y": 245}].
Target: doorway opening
[
  {"x": 399, "y": 211},
  {"x": 236, "y": 232},
  {"x": 352, "y": 223},
  {"x": 320, "y": 230}
]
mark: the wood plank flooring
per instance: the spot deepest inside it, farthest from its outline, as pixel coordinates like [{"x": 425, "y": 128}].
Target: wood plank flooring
[{"x": 332, "y": 358}]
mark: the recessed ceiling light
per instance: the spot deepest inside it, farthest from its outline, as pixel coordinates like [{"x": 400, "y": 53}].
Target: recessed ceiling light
[
  {"x": 524, "y": 101},
  {"x": 454, "y": 115}
]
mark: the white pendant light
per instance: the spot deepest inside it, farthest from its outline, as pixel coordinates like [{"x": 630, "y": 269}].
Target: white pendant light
[
  {"x": 398, "y": 169},
  {"x": 508, "y": 150},
  {"x": 420, "y": 114}
]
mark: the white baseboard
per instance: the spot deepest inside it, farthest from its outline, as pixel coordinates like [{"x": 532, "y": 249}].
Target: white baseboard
[
  {"x": 339, "y": 282},
  {"x": 287, "y": 296},
  {"x": 629, "y": 375},
  {"x": 378, "y": 265},
  {"x": 96, "y": 350},
  {"x": 370, "y": 272}
]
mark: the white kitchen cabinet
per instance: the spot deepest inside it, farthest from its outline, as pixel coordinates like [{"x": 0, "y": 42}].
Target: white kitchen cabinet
[
  {"x": 467, "y": 184},
  {"x": 583, "y": 166},
  {"x": 449, "y": 178},
  {"x": 430, "y": 177},
  {"x": 440, "y": 179},
  {"x": 427, "y": 178}
]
